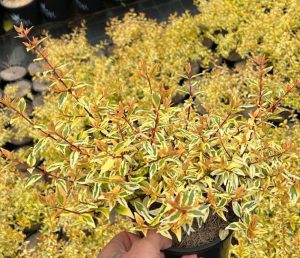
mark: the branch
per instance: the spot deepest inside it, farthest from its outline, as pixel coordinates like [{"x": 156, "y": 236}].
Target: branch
[
  {"x": 48, "y": 134},
  {"x": 191, "y": 95},
  {"x": 33, "y": 45}
]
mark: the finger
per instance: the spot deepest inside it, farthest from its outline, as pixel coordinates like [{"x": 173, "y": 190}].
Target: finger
[
  {"x": 125, "y": 239},
  {"x": 190, "y": 256},
  {"x": 149, "y": 246},
  {"x": 158, "y": 240},
  {"x": 120, "y": 244}
]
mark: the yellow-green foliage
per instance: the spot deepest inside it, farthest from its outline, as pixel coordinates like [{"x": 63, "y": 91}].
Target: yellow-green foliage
[
  {"x": 279, "y": 232},
  {"x": 11, "y": 241},
  {"x": 135, "y": 39},
  {"x": 4, "y": 133},
  {"x": 221, "y": 84},
  {"x": 79, "y": 240},
  {"x": 14, "y": 196},
  {"x": 269, "y": 27},
  {"x": 251, "y": 28},
  {"x": 21, "y": 209},
  {"x": 122, "y": 156},
  {"x": 171, "y": 45}
]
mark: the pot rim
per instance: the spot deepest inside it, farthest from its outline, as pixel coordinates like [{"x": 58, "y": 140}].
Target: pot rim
[
  {"x": 19, "y": 7},
  {"x": 195, "y": 250}
]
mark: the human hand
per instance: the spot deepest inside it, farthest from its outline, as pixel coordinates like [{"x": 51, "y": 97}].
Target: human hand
[{"x": 128, "y": 245}]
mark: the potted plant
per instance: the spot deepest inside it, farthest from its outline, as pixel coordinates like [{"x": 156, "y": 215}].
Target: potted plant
[
  {"x": 166, "y": 167},
  {"x": 55, "y": 10},
  {"x": 25, "y": 11}
]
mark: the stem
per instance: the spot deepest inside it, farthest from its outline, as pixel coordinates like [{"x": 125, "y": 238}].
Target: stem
[
  {"x": 73, "y": 146},
  {"x": 190, "y": 99},
  {"x": 57, "y": 76},
  {"x": 221, "y": 125},
  {"x": 68, "y": 210},
  {"x": 260, "y": 84},
  {"x": 276, "y": 103},
  {"x": 153, "y": 131},
  {"x": 149, "y": 82},
  {"x": 44, "y": 172},
  {"x": 227, "y": 152},
  {"x": 268, "y": 157}
]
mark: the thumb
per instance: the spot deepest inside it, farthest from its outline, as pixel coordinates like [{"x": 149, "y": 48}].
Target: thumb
[
  {"x": 149, "y": 246},
  {"x": 159, "y": 241}
]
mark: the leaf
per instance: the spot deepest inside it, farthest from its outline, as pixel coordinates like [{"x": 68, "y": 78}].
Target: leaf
[
  {"x": 31, "y": 160},
  {"x": 156, "y": 99},
  {"x": 252, "y": 171},
  {"x": 177, "y": 231},
  {"x": 237, "y": 209},
  {"x": 74, "y": 158},
  {"x": 161, "y": 139},
  {"x": 173, "y": 217},
  {"x": 121, "y": 147},
  {"x": 236, "y": 226},
  {"x": 122, "y": 210},
  {"x": 61, "y": 191},
  {"x": 30, "y": 170},
  {"x": 156, "y": 220},
  {"x": 108, "y": 165},
  {"x": 150, "y": 149},
  {"x": 201, "y": 212},
  {"x": 62, "y": 99},
  {"x": 252, "y": 81},
  {"x": 39, "y": 145},
  {"x": 223, "y": 233},
  {"x": 96, "y": 190},
  {"x": 88, "y": 219},
  {"x": 152, "y": 169},
  {"x": 33, "y": 179},
  {"x": 123, "y": 168},
  {"x": 54, "y": 166},
  {"x": 192, "y": 198},
  {"x": 132, "y": 186},
  {"x": 165, "y": 232},
  {"x": 293, "y": 194},
  {"x": 142, "y": 210},
  {"x": 221, "y": 203},
  {"x": 104, "y": 211},
  {"x": 22, "y": 105},
  {"x": 268, "y": 69},
  {"x": 66, "y": 131},
  {"x": 249, "y": 206}
]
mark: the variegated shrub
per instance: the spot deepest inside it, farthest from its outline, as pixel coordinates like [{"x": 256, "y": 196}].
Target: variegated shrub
[{"x": 163, "y": 166}]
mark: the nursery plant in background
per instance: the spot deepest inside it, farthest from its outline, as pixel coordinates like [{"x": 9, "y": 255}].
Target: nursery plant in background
[
  {"x": 271, "y": 30},
  {"x": 166, "y": 167}
]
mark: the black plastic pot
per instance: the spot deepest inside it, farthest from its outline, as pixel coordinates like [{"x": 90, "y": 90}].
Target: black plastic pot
[
  {"x": 122, "y": 2},
  {"x": 28, "y": 13},
  {"x": 216, "y": 249},
  {"x": 1, "y": 20},
  {"x": 90, "y": 5},
  {"x": 56, "y": 9}
]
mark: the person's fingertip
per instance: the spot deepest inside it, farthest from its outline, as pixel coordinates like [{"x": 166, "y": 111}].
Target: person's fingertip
[
  {"x": 161, "y": 241},
  {"x": 190, "y": 256}
]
